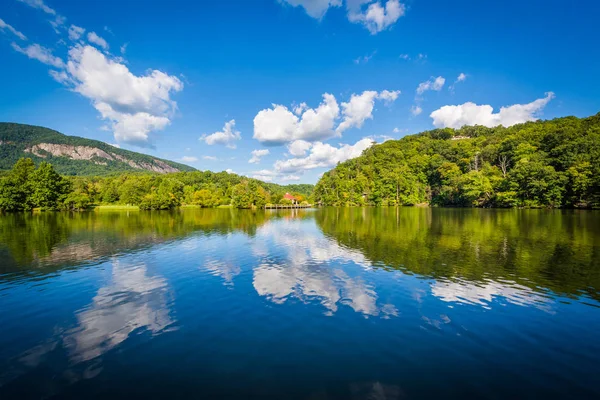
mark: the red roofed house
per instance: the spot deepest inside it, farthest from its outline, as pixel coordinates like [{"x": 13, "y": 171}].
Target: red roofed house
[{"x": 288, "y": 196}]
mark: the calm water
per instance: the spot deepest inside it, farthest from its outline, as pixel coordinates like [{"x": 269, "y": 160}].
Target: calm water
[{"x": 306, "y": 304}]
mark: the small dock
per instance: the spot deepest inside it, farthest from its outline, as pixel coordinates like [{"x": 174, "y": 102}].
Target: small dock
[{"x": 285, "y": 206}]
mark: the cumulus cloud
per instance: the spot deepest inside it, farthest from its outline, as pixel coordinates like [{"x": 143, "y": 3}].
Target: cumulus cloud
[
  {"x": 376, "y": 16},
  {"x": 264, "y": 175},
  {"x": 432, "y": 84},
  {"x": 135, "y": 105},
  {"x": 75, "y": 32},
  {"x": 226, "y": 137},
  {"x": 189, "y": 159},
  {"x": 97, "y": 40},
  {"x": 288, "y": 178},
  {"x": 40, "y": 53},
  {"x": 416, "y": 110},
  {"x": 257, "y": 155},
  {"x": 323, "y": 155},
  {"x": 298, "y": 148},
  {"x": 278, "y": 125},
  {"x": 6, "y": 27},
  {"x": 210, "y": 158},
  {"x": 473, "y": 114},
  {"x": 360, "y": 108}
]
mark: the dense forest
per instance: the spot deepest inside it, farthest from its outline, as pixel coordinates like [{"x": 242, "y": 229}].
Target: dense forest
[
  {"x": 478, "y": 246},
  {"x": 26, "y": 187},
  {"x": 553, "y": 163},
  {"x": 96, "y": 157}
]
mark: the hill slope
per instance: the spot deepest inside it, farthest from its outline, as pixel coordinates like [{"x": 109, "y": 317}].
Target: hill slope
[
  {"x": 552, "y": 163},
  {"x": 72, "y": 155}
]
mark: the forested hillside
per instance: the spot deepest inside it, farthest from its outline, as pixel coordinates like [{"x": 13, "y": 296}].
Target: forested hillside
[
  {"x": 26, "y": 187},
  {"x": 552, "y": 163},
  {"x": 72, "y": 155}
]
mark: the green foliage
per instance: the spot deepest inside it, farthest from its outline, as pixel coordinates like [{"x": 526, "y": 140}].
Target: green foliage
[
  {"x": 16, "y": 139},
  {"x": 25, "y": 187},
  {"x": 536, "y": 164}
]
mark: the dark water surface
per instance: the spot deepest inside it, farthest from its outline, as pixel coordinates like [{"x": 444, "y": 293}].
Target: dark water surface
[{"x": 359, "y": 303}]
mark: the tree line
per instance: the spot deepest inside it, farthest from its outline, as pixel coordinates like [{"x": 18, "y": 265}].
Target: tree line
[
  {"x": 26, "y": 187},
  {"x": 538, "y": 164}
]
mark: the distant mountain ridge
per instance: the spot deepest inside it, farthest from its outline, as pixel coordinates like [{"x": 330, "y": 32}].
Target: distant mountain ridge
[{"x": 73, "y": 155}]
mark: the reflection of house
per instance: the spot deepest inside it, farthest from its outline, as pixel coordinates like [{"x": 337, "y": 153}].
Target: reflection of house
[{"x": 291, "y": 198}]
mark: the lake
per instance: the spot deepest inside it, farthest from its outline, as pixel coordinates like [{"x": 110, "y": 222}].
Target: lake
[{"x": 333, "y": 303}]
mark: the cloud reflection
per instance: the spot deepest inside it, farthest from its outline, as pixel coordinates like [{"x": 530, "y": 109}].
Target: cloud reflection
[
  {"x": 132, "y": 300},
  {"x": 483, "y": 293},
  {"x": 307, "y": 270}
]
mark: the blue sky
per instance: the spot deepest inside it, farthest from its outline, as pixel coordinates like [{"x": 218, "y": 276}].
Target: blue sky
[{"x": 307, "y": 83}]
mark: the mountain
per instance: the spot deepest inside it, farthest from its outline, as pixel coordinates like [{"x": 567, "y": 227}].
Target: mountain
[
  {"x": 72, "y": 155},
  {"x": 552, "y": 163}
]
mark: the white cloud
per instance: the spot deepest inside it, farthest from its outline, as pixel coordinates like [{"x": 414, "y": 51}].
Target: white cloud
[
  {"x": 389, "y": 96},
  {"x": 39, "y": 4},
  {"x": 404, "y": 56},
  {"x": 97, "y": 40},
  {"x": 323, "y": 155},
  {"x": 314, "y": 8},
  {"x": 432, "y": 84},
  {"x": 360, "y": 108},
  {"x": 210, "y": 158},
  {"x": 264, "y": 175},
  {"x": 298, "y": 148},
  {"x": 60, "y": 77},
  {"x": 288, "y": 178},
  {"x": 279, "y": 125},
  {"x": 380, "y": 138},
  {"x": 416, "y": 110},
  {"x": 230, "y": 171},
  {"x": 189, "y": 159},
  {"x": 75, "y": 32},
  {"x": 4, "y": 25},
  {"x": 42, "y": 54},
  {"x": 396, "y": 130},
  {"x": 460, "y": 78},
  {"x": 257, "y": 155},
  {"x": 123, "y": 48},
  {"x": 376, "y": 17},
  {"x": 299, "y": 109},
  {"x": 57, "y": 23},
  {"x": 226, "y": 137},
  {"x": 473, "y": 114},
  {"x": 114, "y": 145},
  {"x": 136, "y": 105},
  {"x": 371, "y": 13}
]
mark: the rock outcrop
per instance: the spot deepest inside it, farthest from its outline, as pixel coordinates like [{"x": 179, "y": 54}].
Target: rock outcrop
[{"x": 96, "y": 155}]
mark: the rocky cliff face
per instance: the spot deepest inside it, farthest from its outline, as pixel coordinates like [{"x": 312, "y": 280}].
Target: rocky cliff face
[{"x": 97, "y": 156}]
